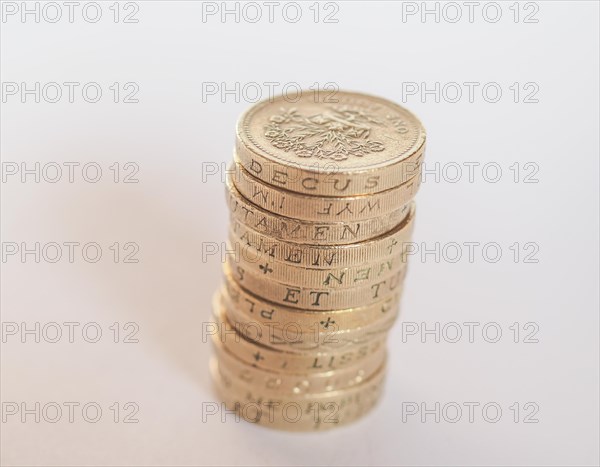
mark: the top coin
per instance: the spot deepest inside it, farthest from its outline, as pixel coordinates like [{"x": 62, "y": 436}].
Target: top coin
[{"x": 330, "y": 145}]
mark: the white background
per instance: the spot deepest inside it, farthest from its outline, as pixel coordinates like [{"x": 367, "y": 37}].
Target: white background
[{"x": 174, "y": 131}]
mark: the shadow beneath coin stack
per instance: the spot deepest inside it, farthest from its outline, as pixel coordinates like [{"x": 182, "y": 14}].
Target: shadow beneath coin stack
[{"x": 167, "y": 293}]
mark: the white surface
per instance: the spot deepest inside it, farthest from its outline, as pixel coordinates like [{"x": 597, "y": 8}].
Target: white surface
[{"x": 170, "y": 212}]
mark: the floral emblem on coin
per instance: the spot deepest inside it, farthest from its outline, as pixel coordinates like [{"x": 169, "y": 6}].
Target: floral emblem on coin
[{"x": 336, "y": 134}]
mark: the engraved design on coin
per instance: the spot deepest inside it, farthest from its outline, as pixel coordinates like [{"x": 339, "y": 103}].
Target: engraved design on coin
[{"x": 336, "y": 134}]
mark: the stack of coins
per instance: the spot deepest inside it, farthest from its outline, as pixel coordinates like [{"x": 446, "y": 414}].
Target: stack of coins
[{"x": 320, "y": 195}]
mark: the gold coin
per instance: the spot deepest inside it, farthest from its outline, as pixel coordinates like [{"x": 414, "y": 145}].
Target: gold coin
[
  {"x": 291, "y": 336},
  {"x": 317, "y": 298},
  {"x": 311, "y": 232},
  {"x": 320, "y": 208},
  {"x": 320, "y": 411},
  {"x": 268, "y": 314},
  {"x": 324, "y": 256},
  {"x": 255, "y": 263},
  {"x": 296, "y": 362},
  {"x": 359, "y": 144},
  {"x": 294, "y": 385}
]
